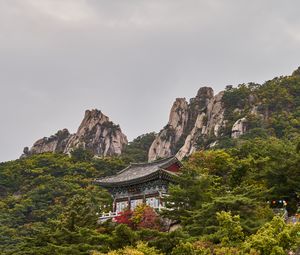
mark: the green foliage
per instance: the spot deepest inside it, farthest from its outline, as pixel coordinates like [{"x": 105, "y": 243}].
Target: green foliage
[
  {"x": 137, "y": 150},
  {"x": 212, "y": 182},
  {"x": 146, "y": 250},
  {"x": 273, "y": 163},
  {"x": 167, "y": 241},
  {"x": 81, "y": 155},
  {"x": 49, "y": 204},
  {"x": 189, "y": 249},
  {"x": 230, "y": 230},
  {"x": 108, "y": 165},
  {"x": 140, "y": 249},
  {"x": 276, "y": 103},
  {"x": 122, "y": 236},
  {"x": 274, "y": 238}
]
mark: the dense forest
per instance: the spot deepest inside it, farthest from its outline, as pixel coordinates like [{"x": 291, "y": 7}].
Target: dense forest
[{"x": 231, "y": 199}]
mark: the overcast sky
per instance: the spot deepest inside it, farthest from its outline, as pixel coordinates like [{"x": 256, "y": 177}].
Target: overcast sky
[{"x": 130, "y": 59}]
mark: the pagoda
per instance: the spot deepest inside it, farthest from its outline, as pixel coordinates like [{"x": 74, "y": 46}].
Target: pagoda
[{"x": 140, "y": 183}]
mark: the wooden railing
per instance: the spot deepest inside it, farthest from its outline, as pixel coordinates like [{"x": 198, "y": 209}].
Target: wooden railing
[{"x": 107, "y": 216}]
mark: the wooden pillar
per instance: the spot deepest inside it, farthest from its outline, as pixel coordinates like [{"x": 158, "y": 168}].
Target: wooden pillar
[
  {"x": 114, "y": 205},
  {"x": 159, "y": 200},
  {"x": 129, "y": 203}
]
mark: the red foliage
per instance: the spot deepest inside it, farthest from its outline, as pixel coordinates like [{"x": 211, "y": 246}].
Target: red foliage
[
  {"x": 150, "y": 219},
  {"x": 124, "y": 218}
]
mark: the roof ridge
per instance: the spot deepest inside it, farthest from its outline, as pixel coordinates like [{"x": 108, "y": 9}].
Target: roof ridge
[
  {"x": 123, "y": 170},
  {"x": 142, "y": 167},
  {"x": 152, "y": 162},
  {"x": 145, "y": 164}
]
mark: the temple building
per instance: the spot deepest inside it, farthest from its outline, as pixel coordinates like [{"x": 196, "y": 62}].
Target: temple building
[{"x": 140, "y": 183}]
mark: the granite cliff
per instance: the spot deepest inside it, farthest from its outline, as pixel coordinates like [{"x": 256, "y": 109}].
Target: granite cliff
[
  {"x": 200, "y": 118},
  {"x": 248, "y": 110},
  {"x": 95, "y": 133},
  {"x": 206, "y": 121}
]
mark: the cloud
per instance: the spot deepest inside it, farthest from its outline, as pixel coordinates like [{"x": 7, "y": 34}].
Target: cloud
[
  {"x": 130, "y": 58},
  {"x": 65, "y": 11}
]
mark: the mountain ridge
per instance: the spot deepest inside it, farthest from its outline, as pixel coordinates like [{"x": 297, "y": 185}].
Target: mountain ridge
[
  {"x": 205, "y": 121},
  {"x": 95, "y": 133},
  {"x": 208, "y": 120}
]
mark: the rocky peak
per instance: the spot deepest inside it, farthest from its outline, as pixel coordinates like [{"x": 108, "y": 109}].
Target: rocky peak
[
  {"x": 203, "y": 97},
  {"x": 205, "y": 93},
  {"x": 178, "y": 116},
  {"x": 187, "y": 123},
  {"x": 206, "y": 123},
  {"x": 54, "y": 143},
  {"x": 96, "y": 133},
  {"x": 91, "y": 119},
  {"x": 199, "y": 104},
  {"x": 165, "y": 143}
]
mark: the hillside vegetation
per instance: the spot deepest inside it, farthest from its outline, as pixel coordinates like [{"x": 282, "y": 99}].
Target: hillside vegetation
[
  {"x": 50, "y": 205},
  {"x": 229, "y": 199},
  {"x": 271, "y": 109}
]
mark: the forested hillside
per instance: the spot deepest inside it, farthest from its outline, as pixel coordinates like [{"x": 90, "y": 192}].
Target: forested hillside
[
  {"x": 250, "y": 110},
  {"x": 272, "y": 108},
  {"x": 223, "y": 201},
  {"x": 234, "y": 195}
]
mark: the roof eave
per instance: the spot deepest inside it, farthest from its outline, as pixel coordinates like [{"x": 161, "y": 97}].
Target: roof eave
[{"x": 143, "y": 179}]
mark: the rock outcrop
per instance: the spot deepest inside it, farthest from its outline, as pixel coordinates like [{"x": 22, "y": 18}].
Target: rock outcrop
[
  {"x": 55, "y": 143},
  {"x": 98, "y": 134},
  {"x": 165, "y": 143},
  {"x": 189, "y": 123},
  {"x": 208, "y": 124},
  {"x": 239, "y": 128},
  {"x": 95, "y": 133}
]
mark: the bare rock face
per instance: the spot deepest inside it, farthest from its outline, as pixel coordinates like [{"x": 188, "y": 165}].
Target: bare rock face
[
  {"x": 209, "y": 120},
  {"x": 202, "y": 118},
  {"x": 96, "y": 133},
  {"x": 165, "y": 143},
  {"x": 208, "y": 123},
  {"x": 179, "y": 117},
  {"x": 54, "y": 143},
  {"x": 239, "y": 128}
]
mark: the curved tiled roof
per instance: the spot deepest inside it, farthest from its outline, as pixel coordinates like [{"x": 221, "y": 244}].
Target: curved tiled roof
[{"x": 138, "y": 171}]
